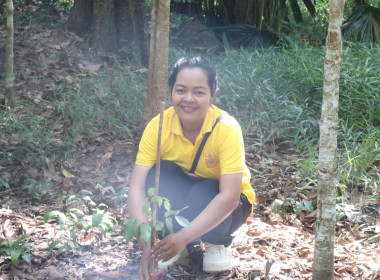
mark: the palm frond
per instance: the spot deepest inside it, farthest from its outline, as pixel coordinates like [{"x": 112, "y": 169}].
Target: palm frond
[
  {"x": 245, "y": 35},
  {"x": 363, "y": 25}
]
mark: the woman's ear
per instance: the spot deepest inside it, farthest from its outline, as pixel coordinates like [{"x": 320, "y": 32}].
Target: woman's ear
[{"x": 213, "y": 96}]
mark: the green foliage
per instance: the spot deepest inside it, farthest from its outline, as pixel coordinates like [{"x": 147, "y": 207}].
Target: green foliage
[
  {"x": 106, "y": 103},
  {"x": 363, "y": 25},
  {"x": 276, "y": 95},
  {"x": 86, "y": 221},
  {"x": 38, "y": 188},
  {"x": 144, "y": 230},
  {"x": 3, "y": 181},
  {"x": 245, "y": 35},
  {"x": 16, "y": 249},
  {"x": 34, "y": 136}
]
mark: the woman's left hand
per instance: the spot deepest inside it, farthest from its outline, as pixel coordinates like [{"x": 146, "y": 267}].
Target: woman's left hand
[{"x": 168, "y": 247}]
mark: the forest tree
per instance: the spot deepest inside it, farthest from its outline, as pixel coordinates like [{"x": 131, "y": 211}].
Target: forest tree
[{"x": 327, "y": 168}]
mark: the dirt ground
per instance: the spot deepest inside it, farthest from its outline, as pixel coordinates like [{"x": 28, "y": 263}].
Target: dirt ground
[{"x": 269, "y": 245}]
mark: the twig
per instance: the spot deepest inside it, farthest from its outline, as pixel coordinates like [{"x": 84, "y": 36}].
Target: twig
[
  {"x": 156, "y": 185},
  {"x": 268, "y": 266}
]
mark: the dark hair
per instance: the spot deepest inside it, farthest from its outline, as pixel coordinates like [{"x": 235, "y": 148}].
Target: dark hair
[{"x": 195, "y": 61}]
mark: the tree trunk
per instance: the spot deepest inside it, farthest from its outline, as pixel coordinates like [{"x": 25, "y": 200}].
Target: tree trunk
[
  {"x": 296, "y": 11},
  {"x": 323, "y": 267},
  {"x": 104, "y": 29},
  {"x": 130, "y": 25},
  {"x": 158, "y": 58},
  {"x": 111, "y": 24},
  {"x": 9, "y": 91},
  {"x": 310, "y": 7},
  {"x": 80, "y": 19}
]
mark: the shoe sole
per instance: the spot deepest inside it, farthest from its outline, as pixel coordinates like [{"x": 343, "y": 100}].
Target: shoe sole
[{"x": 216, "y": 267}]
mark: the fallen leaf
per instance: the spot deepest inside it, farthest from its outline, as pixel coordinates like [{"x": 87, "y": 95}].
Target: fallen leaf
[{"x": 67, "y": 174}]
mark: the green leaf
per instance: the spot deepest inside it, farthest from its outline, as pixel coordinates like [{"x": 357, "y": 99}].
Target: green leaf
[
  {"x": 170, "y": 213},
  {"x": 62, "y": 217},
  {"x": 130, "y": 229},
  {"x": 96, "y": 219},
  {"x": 72, "y": 245},
  {"x": 61, "y": 249},
  {"x": 76, "y": 210},
  {"x": 167, "y": 205},
  {"x": 151, "y": 191},
  {"x": 277, "y": 203},
  {"x": 157, "y": 199},
  {"x": 182, "y": 221},
  {"x": 159, "y": 226},
  {"x": 373, "y": 237},
  {"x": 4, "y": 182},
  {"x": 73, "y": 235},
  {"x": 339, "y": 215},
  {"x": 309, "y": 205},
  {"x": 53, "y": 244},
  {"x": 15, "y": 254},
  {"x": 169, "y": 224},
  {"x": 146, "y": 231},
  {"x": 22, "y": 237},
  {"x": 299, "y": 207},
  {"x": 26, "y": 258}
]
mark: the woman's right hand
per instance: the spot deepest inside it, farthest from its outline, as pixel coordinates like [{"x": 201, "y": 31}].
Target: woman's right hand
[{"x": 144, "y": 263}]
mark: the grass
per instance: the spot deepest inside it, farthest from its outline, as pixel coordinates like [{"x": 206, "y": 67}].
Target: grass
[{"x": 275, "y": 93}]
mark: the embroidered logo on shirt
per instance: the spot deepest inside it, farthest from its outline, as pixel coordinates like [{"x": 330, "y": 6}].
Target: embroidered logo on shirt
[{"x": 211, "y": 161}]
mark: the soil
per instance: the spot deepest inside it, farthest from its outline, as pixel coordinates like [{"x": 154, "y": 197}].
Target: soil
[{"x": 270, "y": 245}]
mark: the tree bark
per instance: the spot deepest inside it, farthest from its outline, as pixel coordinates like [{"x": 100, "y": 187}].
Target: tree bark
[
  {"x": 310, "y": 7},
  {"x": 80, "y": 19},
  {"x": 112, "y": 24},
  {"x": 9, "y": 63},
  {"x": 104, "y": 29},
  {"x": 296, "y": 11},
  {"x": 323, "y": 267},
  {"x": 130, "y": 25},
  {"x": 158, "y": 58}
]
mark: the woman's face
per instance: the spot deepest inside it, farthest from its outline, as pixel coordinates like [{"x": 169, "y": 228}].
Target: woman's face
[{"x": 191, "y": 95}]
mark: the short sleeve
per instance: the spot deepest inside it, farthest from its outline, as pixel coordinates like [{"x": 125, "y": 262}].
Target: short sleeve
[
  {"x": 147, "y": 153},
  {"x": 231, "y": 150}
]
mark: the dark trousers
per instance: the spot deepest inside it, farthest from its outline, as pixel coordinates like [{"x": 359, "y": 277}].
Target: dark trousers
[{"x": 183, "y": 190}]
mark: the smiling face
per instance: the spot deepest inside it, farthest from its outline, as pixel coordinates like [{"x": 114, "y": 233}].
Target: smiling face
[{"x": 191, "y": 96}]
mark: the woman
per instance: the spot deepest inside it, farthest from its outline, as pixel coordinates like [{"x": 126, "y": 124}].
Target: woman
[{"x": 220, "y": 198}]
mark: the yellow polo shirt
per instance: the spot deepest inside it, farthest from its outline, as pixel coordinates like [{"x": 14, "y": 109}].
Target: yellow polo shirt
[{"x": 223, "y": 152}]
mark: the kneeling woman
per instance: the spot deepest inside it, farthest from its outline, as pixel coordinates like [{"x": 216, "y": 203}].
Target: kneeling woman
[{"x": 219, "y": 197}]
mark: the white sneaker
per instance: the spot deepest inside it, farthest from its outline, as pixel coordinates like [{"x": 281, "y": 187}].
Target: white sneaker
[
  {"x": 216, "y": 258},
  {"x": 180, "y": 256}
]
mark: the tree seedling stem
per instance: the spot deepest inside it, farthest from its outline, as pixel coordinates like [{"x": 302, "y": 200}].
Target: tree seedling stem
[{"x": 156, "y": 186}]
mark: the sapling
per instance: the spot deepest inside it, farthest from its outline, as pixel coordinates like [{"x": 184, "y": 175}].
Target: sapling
[{"x": 147, "y": 231}]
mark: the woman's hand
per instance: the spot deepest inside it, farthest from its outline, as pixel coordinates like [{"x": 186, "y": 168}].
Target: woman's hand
[{"x": 168, "y": 247}]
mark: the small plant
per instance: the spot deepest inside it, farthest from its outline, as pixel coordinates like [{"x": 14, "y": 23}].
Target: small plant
[
  {"x": 37, "y": 189},
  {"x": 144, "y": 230},
  {"x": 75, "y": 222},
  {"x": 16, "y": 249},
  {"x": 3, "y": 181}
]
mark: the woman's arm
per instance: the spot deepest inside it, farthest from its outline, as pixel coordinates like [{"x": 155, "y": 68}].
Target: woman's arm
[
  {"x": 136, "y": 193},
  {"x": 136, "y": 197},
  {"x": 218, "y": 209}
]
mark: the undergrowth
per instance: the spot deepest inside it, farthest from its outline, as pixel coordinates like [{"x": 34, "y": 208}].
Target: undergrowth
[{"x": 275, "y": 93}]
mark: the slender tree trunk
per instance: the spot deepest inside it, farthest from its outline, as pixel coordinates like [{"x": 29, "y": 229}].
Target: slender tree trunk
[
  {"x": 296, "y": 11},
  {"x": 158, "y": 58},
  {"x": 310, "y": 6},
  {"x": 327, "y": 168},
  {"x": 9, "y": 91}
]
